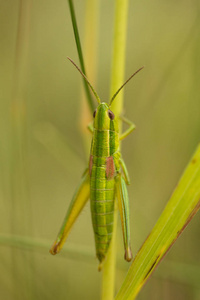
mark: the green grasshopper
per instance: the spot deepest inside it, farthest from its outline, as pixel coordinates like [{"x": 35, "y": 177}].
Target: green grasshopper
[{"x": 104, "y": 180}]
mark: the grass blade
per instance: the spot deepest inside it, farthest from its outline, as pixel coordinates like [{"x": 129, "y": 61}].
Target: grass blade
[
  {"x": 178, "y": 212},
  {"x": 180, "y": 272},
  {"x": 80, "y": 54},
  {"x": 80, "y": 253}
]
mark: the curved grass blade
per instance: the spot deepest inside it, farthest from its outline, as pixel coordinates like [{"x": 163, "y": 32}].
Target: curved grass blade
[
  {"x": 181, "y": 208},
  {"x": 180, "y": 272},
  {"x": 37, "y": 245},
  {"x": 80, "y": 53}
]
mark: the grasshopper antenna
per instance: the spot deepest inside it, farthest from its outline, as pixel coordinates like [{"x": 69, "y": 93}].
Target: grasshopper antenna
[
  {"x": 93, "y": 90},
  {"x": 117, "y": 92}
]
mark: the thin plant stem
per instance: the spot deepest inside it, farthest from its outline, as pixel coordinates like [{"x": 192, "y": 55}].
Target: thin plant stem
[
  {"x": 117, "y": 78},
  {"x": 80, "y": 53},
  {"x": 119, "y": 51},
  {"x": 108, "y": 276},
  {"x": 21, "y": 211},
  {"x": 90, "y": 50}
]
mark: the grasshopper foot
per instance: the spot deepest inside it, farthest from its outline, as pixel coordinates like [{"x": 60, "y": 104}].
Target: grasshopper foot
[{"x": 128, "y": 254}]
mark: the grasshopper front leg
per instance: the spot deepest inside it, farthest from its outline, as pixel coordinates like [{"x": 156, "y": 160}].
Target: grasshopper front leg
[
  {"x": 129, "y": 130},
  {"x": 90, "y": 127},
  {"x": 79, "y": 200},
  {"x": 123, "y": 202}
]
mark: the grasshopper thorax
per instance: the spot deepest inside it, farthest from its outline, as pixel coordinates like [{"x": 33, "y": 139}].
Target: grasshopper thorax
[{"x": 104, "y": 118}]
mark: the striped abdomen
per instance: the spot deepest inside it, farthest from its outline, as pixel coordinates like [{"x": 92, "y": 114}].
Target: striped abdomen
[{"x": 102, "y": 190}]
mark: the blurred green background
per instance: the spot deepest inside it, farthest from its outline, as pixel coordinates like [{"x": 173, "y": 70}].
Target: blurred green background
[{"x": 42, "y": 153}]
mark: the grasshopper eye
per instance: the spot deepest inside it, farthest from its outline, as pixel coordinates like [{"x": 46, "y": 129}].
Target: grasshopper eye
[
  {"x": 94, "y": 113},
  {"x": 111, "y": 115}
]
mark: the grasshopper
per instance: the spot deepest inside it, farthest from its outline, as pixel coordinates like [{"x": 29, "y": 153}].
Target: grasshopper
[{"x": 104, "y": 180}]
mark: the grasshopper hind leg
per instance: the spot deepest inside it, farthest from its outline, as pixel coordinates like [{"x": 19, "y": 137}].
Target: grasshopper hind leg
[
  {"x": 123, "y": 202},
  {"x": 79, "y": 200}
]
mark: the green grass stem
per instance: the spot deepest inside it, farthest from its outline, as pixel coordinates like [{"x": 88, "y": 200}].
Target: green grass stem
[
  {"x": 80, "y": 53},
  {"x": 21, "y": 210},
  {"x": 91, "y": 33},
  {"x": 117, "y": 78}
]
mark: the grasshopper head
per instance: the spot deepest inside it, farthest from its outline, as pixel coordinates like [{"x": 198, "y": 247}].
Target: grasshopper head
[{"x": 104, "y": 118}]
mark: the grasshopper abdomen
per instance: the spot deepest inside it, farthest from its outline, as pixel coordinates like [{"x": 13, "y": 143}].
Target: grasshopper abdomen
[{"x": 102, "y": 168}]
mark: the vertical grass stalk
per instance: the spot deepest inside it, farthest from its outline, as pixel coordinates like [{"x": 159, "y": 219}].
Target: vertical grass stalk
[
  {"x": 21, "y": 212},
  {"x": 90, "y": 57},
  {"x": 80, "y": 53},
  {"x": 117, "y": 79}
]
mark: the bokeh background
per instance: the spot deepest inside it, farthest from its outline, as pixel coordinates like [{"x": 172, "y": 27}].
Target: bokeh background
[{"x": 42, "y": 152}]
